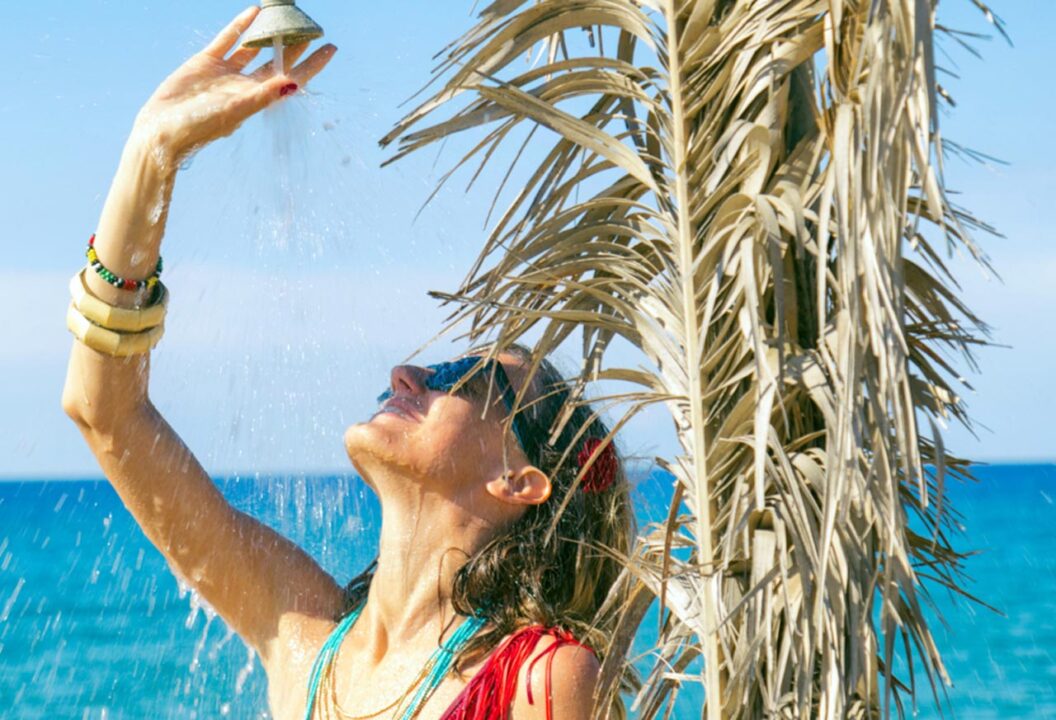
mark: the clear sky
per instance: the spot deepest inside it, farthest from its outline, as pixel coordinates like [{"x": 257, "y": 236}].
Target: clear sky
[{"x": 273, "y": 346}]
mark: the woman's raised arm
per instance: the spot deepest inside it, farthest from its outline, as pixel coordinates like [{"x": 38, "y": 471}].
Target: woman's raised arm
[{"x": 252, "y": 576}]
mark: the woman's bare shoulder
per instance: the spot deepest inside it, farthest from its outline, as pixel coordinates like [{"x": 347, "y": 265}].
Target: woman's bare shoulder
[
  {"x": 299, "y": 636},
  {"x": 568, "y": 670},
  {"x": 298, "y": 639}
]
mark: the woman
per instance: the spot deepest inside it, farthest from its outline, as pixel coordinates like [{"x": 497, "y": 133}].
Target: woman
[{"x": 483, "y": 598}]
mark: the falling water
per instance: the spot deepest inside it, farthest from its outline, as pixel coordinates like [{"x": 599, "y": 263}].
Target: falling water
[{"x": 279, "y": 60}]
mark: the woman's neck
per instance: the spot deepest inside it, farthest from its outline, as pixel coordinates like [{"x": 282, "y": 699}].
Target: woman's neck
[{"x": 425, "y": 539}]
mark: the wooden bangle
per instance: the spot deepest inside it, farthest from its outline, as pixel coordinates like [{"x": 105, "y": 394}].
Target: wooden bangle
[
  {"x": 114, "y": 318},
  {"x": 109, "y": 342}
]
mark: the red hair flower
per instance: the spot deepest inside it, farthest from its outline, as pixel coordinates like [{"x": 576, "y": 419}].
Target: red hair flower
[{"x": 602, "y": 474}]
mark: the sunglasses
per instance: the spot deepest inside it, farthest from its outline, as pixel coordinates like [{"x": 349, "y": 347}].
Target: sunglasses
[{"x": 446, "y": 376}]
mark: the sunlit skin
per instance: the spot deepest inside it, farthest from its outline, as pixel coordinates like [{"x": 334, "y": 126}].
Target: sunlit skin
[{"x": 447, "y": 475}]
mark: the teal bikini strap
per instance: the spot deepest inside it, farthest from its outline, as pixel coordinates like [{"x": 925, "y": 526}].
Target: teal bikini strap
[
  {"x": 326, "y": 656},
  {"x": 446, "y": 655}
]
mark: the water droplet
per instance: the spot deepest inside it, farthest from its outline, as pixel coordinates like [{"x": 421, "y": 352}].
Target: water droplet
[
  {"x": 11, "y": 600},
  {"x": 160, "y": 158},
  {"x": 156, "y": 212},
  {"x": 243, "y": 674},
  {"x": 188, "y": 161}
]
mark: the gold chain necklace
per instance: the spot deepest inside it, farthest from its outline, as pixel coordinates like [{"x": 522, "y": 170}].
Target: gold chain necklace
[
  {"x": 332, "y": 707},
  {"x": 331, "y": 693}
]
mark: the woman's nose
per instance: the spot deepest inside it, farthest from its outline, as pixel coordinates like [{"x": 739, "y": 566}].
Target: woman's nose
[{"x": 408, "y": 380}]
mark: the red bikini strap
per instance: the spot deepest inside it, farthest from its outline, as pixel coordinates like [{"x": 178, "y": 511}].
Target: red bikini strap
[
  {"x": 561, "y": 637},
  {"x": 492, "y": 690}
]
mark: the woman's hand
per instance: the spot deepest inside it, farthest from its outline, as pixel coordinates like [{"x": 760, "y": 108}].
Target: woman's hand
[{"x": 209, "y": 96}]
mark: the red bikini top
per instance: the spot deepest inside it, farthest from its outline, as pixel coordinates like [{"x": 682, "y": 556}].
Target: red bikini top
[{"x": 490, "y": 694}]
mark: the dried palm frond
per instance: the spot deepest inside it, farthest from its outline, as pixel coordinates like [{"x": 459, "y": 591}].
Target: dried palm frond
[{"x": 750, "y": 193}]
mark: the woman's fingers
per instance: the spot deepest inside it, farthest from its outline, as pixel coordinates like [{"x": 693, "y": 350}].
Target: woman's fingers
[
  {"x": 293, "y": 54},
  {"x": 313, "y": 65},
  {"x": 227, "y": 37},
  {"x": 242, "y": 57},
  {"x": 289, "y": 57},
  {"x": 276, "y": 87},
  {"x": 263, "y": 94},
  {"x": 270, "y": 88}
]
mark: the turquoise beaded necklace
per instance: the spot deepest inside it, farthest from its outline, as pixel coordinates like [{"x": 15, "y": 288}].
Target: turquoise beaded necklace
[{"x": 441, "y": 660}]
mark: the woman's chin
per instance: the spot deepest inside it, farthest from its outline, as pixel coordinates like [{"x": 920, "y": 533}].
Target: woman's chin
[
  {"x": 355, "y": 437},
  {"x": 377, "y": 438}
]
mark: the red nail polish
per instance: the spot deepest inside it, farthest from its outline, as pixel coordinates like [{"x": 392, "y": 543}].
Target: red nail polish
[{"x": 288, "y": 89}]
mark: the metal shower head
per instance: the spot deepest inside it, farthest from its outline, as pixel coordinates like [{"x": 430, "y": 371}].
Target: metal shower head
[{"x": 282, "y": 20}]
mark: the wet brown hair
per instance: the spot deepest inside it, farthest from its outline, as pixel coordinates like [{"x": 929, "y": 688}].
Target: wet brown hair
[{"x": 553, "y": 566}]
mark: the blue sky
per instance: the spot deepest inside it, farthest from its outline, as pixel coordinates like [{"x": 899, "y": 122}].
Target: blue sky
[{"x": 273, "y": 347}]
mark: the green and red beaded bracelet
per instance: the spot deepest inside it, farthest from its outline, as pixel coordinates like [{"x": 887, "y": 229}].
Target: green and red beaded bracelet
[{"x": 116, "y": 281}]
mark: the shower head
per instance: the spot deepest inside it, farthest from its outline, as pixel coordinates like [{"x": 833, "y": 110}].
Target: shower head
[{"x": 281, "y": 20}]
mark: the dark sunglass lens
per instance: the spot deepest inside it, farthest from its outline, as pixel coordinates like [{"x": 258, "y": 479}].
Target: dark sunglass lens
[
  {"x": 438, "y": 378},
  {"x": 446, "y": 375}
]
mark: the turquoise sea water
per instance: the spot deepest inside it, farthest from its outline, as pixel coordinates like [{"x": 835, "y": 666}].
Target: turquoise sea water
[{"x": 93, "y": 625}]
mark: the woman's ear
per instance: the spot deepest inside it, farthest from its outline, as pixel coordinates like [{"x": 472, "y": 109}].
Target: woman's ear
[{"x": 527, "y": 486}]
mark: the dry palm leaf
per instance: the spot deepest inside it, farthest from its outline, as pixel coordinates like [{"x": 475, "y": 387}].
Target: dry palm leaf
[{"x": 750, "y": 194}]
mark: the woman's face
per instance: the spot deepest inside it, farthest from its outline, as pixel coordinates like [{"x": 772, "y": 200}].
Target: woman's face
[{"x": 448, "y": 442}]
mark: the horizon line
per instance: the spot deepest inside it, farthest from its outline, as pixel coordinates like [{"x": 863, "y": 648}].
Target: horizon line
[{"x": 274, "y": 473}]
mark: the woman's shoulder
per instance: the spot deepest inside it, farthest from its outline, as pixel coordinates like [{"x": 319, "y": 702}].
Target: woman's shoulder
[
  {"x": 561, "y": 672},
  {"x": 296, "y": 643}
]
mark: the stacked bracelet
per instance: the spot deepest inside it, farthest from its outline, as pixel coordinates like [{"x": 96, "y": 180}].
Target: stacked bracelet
[
  {"x": 109, "y": 342},
  {"x": 116, "y": 281},
  {"x": 116, "y": 318},
  {"x": 114, "y": 330}
]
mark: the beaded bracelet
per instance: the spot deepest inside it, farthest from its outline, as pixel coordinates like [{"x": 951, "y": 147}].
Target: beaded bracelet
[{"x": 116, "y": 281}]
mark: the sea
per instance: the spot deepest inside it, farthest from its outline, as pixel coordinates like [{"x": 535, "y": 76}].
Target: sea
[{"x": 94, "y": 625}]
